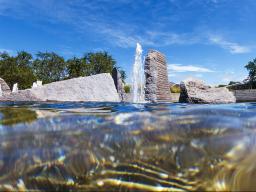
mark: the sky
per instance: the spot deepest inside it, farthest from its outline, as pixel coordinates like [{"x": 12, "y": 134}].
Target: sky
[{"x": 208, "y": 39}]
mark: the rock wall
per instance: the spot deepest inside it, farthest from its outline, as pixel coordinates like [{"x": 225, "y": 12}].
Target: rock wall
[
  {"x": 156, "y": 77},
  {"x": 118, "y": 83},
  {"x": 100, "y": 88},
  {"x": 245, "y": 95}
]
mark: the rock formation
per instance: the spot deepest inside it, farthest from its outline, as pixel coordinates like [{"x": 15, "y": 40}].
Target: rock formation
[
  {"x": 156, "y": 77},
  {"x": 22, "y": 95},
  {"x": 15, "y": 88},
  {"x": 99, "y": 88},
  {"x": 37, "y": 84},
  {"x": 195, "y": 91},
  {"x": 5, "y": 88},
  {"x": 118, "y": 83}
]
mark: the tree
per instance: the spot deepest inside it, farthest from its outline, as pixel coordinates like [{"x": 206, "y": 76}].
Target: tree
[
  {"x": 49, "y": 67},
  {"x": 25, "y": 74},
  {"x": 77, "y": 67},
  {"x": 233, "y": 82},
  {"x": 17, "y": 69},
  {"x": 24, "y": 59},
  {"x": 8, "y": 69},
  {"x": 251, "y": 67},
  {"x": 100, "y": 62}
]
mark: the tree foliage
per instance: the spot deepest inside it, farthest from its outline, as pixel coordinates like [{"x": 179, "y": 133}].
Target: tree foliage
[
  {"x": 100, "y": 62},
  {"x": 17, "y": 69},
  {"x": 251, "y": 67},
  {"x": 233, "y": 82},
  {"x": 49, "y": 67},
  {"x": 77, "y": 67}
]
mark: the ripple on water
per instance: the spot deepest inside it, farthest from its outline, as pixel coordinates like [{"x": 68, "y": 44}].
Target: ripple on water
[{"x": 127, "y": 147}]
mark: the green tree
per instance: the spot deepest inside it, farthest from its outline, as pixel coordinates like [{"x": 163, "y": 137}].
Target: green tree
[
  {"x": 8, "y": 69},
  {"x": 77, "y": 67},
  {"x": 92, "y": 64},
  {"x": 233, "y": 82},
  {"x": 17, "y": 69},
  {"x": 251, "y": 67},
  {"x": 24, "y": 59},
  {"x": 49, "y": 67},
  {"x": 100, "y": 62}
]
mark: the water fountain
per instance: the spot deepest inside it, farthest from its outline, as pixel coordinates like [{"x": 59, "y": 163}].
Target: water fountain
[{"x": 138, "y": 80}]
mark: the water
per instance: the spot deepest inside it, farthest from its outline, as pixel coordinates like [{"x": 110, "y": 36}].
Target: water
[
  {"x": 127, "y": 147},
  {"x": 138, "y": 82}
]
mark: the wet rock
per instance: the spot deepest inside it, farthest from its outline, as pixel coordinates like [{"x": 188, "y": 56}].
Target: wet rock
[
  {"x": 195, "y": 91},
  {"x": 118, "y": 83},
  {"x": 100, "y": 88},
  {"x": 157, "y": 84}
]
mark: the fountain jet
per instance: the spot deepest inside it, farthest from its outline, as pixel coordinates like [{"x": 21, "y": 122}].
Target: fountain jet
[{"x": 138, "y": 80}]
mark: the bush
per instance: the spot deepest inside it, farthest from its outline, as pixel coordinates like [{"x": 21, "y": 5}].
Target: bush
[
  {"x": 175, "y": 89},
  {"x": 127, "y": 88}
]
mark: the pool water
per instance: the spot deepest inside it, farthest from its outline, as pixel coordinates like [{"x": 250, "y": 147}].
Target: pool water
[{"x": 127, "y": 147}]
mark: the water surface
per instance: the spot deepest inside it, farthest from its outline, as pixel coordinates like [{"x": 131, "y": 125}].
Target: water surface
[{"x": 127, "y": 147}]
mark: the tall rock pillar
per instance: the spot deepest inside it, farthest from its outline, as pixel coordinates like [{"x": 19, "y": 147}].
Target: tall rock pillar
[
  {"x": 156, "y": 77},
  {"x": 118, "y": 83}
]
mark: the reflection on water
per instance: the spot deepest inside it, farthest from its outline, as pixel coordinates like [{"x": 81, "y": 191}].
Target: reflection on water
[
  {"x": 124, "y": 147},
  {"x": 14, "y": 115}
]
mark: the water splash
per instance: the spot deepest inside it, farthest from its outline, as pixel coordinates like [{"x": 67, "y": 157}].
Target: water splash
[{"x": 138, "y": 82}]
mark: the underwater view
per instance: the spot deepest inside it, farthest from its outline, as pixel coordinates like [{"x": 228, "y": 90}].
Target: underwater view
[{"x": 127, "y": 147}]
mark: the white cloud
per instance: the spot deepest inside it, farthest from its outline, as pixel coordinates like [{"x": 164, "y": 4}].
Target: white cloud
[
  {"x": 232, "y": 47},
  {"x": 188, "y": 68},
  {"x": 121, "y": 34},
  {"x": 226, "y": 77},
  {"x": 172, "y": 75},
  {"x": 89, "y": 17},
  {"x": 6, "y": 51},
  {"x": 199, "y": 75}
]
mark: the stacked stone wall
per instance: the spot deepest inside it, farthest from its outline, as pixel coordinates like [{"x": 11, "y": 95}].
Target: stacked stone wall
[{"x": 157, "y": 84}]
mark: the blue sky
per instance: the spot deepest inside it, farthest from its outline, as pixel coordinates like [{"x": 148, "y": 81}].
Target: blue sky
[{"x": 208, "y": 39}]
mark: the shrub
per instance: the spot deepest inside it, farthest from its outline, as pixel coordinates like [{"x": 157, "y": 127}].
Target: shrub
[
  {"x": 175, "y": 89},
  {"x": 127, "y": 88}
]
